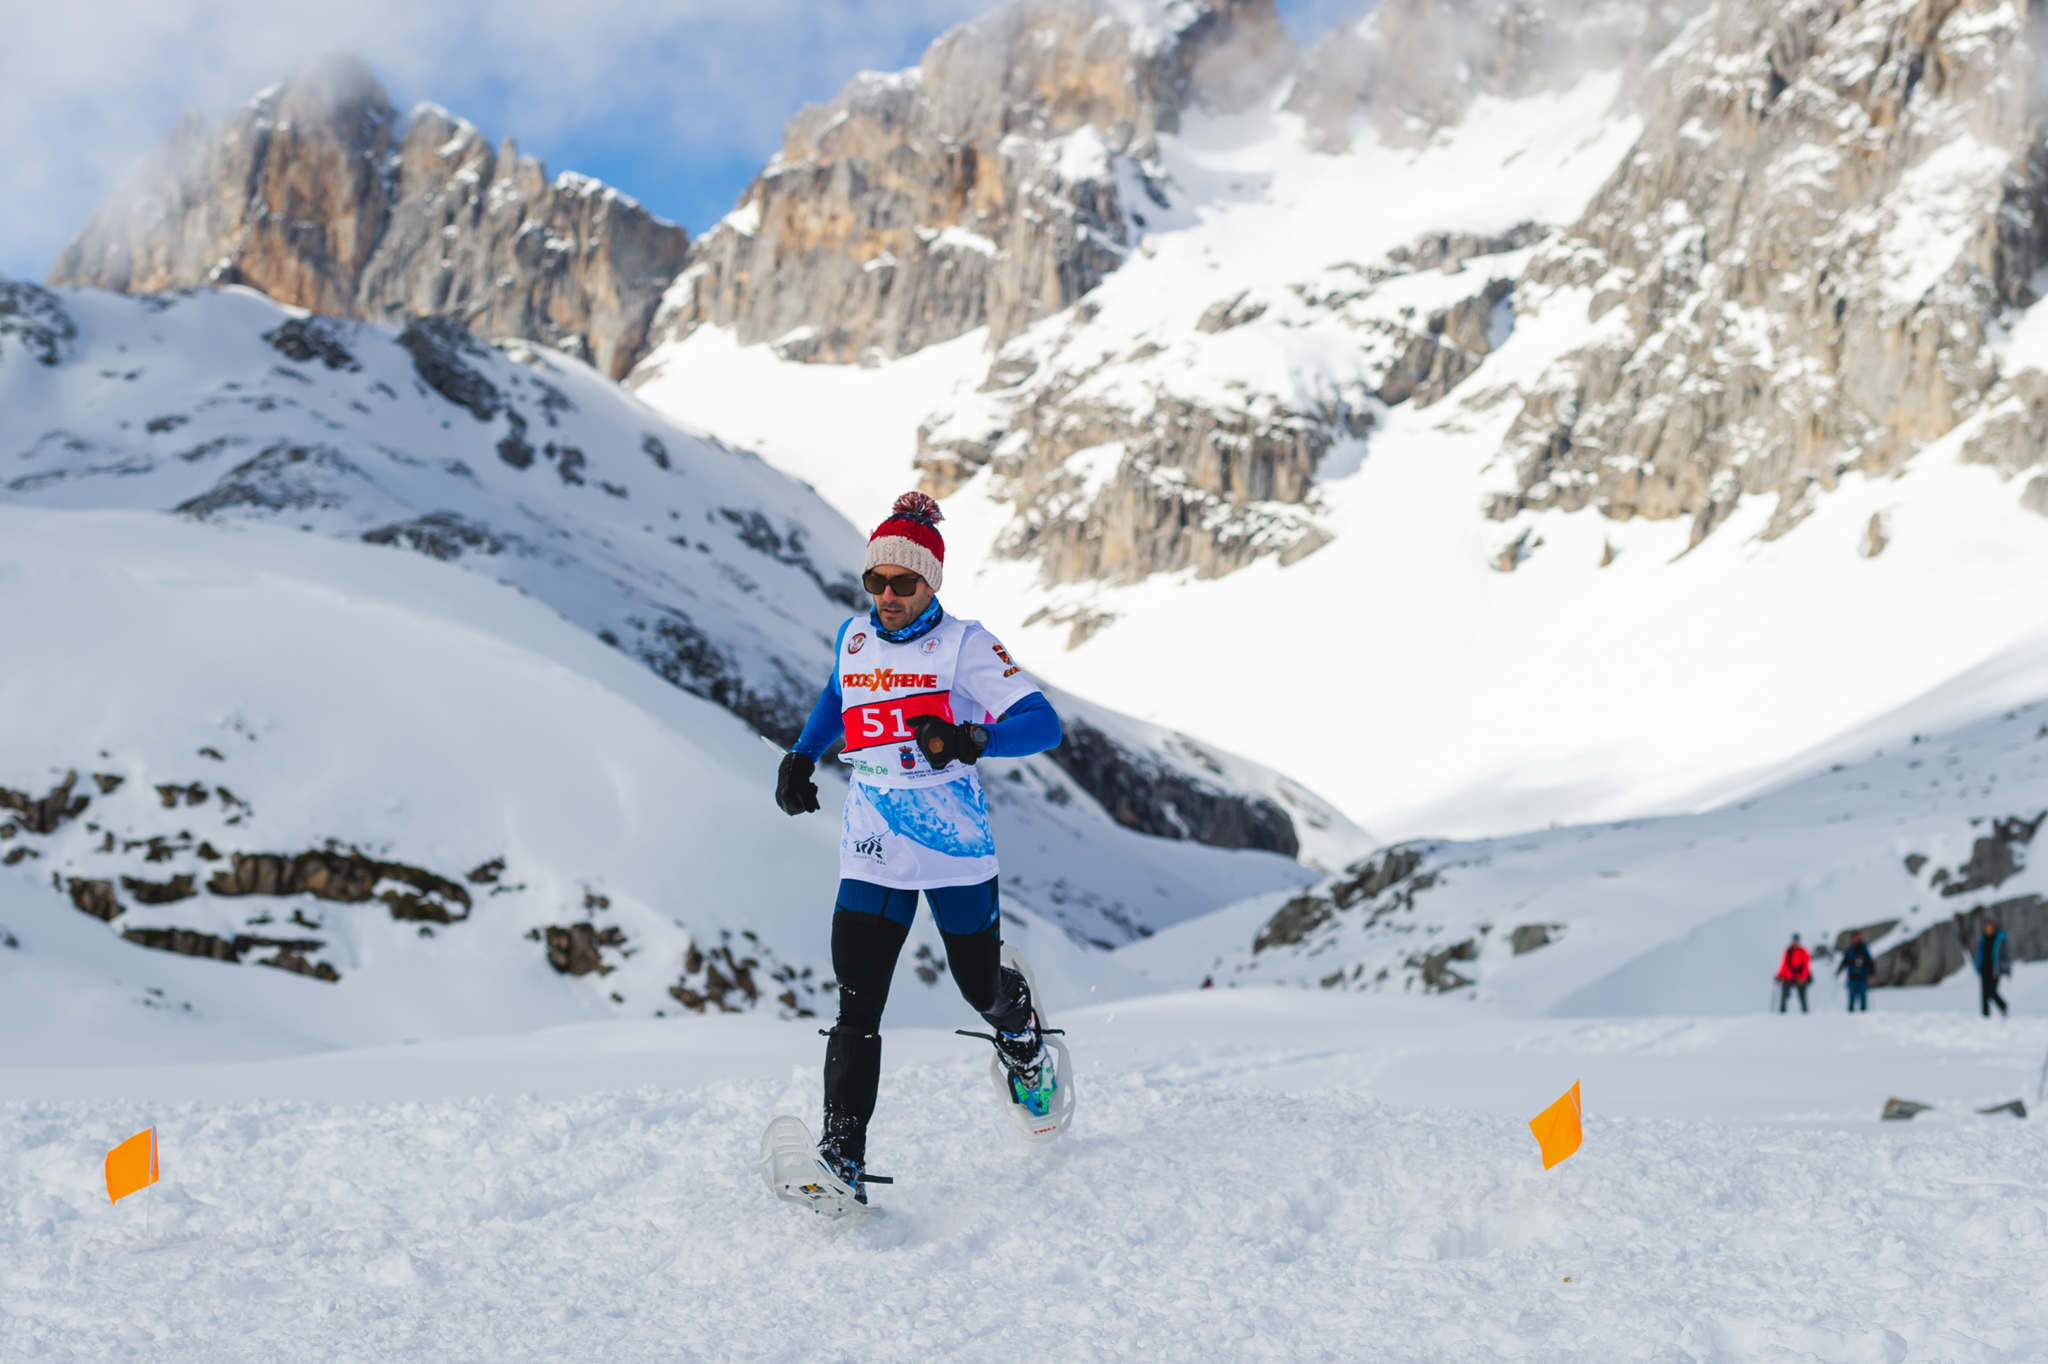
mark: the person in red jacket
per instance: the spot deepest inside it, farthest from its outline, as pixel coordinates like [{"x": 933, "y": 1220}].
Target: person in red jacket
[{"x": 1795, "y": 972}]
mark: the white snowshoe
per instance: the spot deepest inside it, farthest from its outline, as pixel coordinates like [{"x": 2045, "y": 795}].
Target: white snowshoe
[
  {"x": 1039, "y": 1112},
  {"x": 796, "y": 1173}
]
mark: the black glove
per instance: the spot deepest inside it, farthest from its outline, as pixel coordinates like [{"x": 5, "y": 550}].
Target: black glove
[
  {"x": 795, "y": 792},
  {"x": 942, "y": 742}
]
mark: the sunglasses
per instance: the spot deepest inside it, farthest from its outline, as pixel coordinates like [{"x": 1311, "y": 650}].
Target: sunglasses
[{"x": 904, "y": 585}]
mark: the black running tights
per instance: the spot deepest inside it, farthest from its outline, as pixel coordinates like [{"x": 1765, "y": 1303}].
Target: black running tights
[{"x": 864, "y": 952}]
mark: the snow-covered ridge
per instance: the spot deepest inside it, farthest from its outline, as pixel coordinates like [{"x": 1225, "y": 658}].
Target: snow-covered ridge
[
  {"x": 696, "y": 565},
  {"x": 432, "y": 807},
  {"x": 1923, "y": 825}
]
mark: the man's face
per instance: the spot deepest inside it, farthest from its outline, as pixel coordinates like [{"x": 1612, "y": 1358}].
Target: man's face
[{"x": 897, "y": 611}]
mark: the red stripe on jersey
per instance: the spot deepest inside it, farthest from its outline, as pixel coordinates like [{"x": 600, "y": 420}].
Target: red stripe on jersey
[{"x": 880, "y": 723}]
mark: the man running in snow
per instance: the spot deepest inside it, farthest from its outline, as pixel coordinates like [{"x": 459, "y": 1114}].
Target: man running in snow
[
  {"x": 919, "y": 696},
  {"x": 1795, "y": 972},
  {"x": 1856, "y": 963},
  {"x": 1992, "y": 964}
]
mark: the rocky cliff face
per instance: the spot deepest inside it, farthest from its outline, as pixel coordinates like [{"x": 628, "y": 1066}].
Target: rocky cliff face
[
  {"x": 1800, "y": 270},
  {"x": 1119, "y": 467},
  {"x": 993, "y": 185},
  {"x": 319, "y": 195}
]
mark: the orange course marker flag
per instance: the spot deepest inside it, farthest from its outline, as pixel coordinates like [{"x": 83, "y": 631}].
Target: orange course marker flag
[
  {"x": 1557, "y": 1128},
  {"x": 131, "y": 1166}
]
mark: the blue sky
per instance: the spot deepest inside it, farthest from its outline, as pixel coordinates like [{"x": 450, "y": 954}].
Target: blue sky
[
  {"x": 678, "y": 102},
  {"x": 698, "y": 190}
]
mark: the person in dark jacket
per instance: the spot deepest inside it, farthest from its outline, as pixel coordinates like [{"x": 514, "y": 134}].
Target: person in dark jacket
[
  {"x": 1993, "y": 964},
  {"x": 1857, "y": 965},
  {"x": 1795, "y": 972}
]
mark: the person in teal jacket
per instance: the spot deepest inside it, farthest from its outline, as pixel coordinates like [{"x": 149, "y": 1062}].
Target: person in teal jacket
[{"x": 1993, "y": 964}]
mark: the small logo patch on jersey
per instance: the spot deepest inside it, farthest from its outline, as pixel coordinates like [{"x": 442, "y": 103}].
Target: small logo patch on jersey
[
  {"x": 1003, "y": 654},
  {"x": 906, "y": 758},
  {"x": 929, "y": 646},
  {"x": 853, "y": 644},
  {"x": 870, "y": 847}
]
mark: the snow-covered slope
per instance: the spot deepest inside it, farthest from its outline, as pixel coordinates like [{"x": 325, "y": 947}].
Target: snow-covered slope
[
  {"x": 1253, "y": 1175},
  {"x": 1372, "y": 631},
  {"x": 432, "y": 806},
  {"x": 1916, "y": 828},
  {"x": 718, "y": 572}
]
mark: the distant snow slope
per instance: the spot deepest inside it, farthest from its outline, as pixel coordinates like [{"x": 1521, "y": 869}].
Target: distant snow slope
[
  {"x": 523, "y": 464},
  {"x": 267, "y": 792},
  {"x": 1432, "y": 671},
  {"x": 1256, "y": 1175},
  {"x": 718, "y": 572},
  {"x": 1930, "y": 813}
]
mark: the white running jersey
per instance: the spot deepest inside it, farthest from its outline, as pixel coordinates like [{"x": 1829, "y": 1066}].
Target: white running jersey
[{"x": 907, "y": 825}]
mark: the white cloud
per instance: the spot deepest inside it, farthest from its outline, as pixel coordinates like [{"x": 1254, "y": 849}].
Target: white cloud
[{"x": 87, "y": 90}]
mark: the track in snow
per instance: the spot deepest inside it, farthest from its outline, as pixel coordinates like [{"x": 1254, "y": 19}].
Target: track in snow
[{"x": 1237, "y": 1186}]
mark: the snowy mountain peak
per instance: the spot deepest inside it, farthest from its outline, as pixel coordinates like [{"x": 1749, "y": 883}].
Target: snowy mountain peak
[
  {"x": 317, "y": 194},
  {"x": 967, "y": 213}
]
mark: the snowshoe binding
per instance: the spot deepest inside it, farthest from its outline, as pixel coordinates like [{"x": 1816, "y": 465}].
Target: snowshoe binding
[
  {"x": 797, "y": 1171},
  {"x": 1031, "y": 1069}
]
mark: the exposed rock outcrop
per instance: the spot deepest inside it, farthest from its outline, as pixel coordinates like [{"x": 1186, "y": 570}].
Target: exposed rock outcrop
[
  {"x": 33, "y": 319},
  {"x": 1948, "y": 947},
  {"x": 43, "y": 814},
  {"x": 577, "y": 949},
  {"x": 290, "y": 953},
  {"x": 346, "y": 876},
  {"x": 1146, "y": 795},
  {"x": 993, "y": 185},
  {"x": 318, "y": 194},
  {"x": 1386, "y": 883},
  {"x": 1796, "y": 273},
  {"x": 1117, "y": 470}
]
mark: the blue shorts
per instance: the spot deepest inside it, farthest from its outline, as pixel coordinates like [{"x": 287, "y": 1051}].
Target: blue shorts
[{"x": 959, "y": 910}]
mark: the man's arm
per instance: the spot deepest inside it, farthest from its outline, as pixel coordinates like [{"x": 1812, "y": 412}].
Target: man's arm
[
  {"x": 825, "y": 722},
  {"x": 1030, "y": 726}
]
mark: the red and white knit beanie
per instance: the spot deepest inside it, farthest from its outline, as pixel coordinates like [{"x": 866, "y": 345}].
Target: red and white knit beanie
[{"x": 910, "y": 539}]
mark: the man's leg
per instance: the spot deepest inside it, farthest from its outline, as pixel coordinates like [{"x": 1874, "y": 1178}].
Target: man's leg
[
  {"x": 1997, "y": 998},
  {"x": 869, "y": 925},
  {"x": 1802, "y": 996},
  {"x": 1985, "y": 989},
  {"x": 1784, "y": 995},
  {"x": 970, "y": 922}
]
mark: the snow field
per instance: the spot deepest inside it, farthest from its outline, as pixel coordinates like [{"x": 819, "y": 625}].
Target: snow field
[
  {"x": 432, "y": 716},
  {"x": 1239, "y": 1184}
]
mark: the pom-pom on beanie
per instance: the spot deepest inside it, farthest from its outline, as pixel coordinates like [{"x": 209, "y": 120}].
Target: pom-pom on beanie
[{"x": 910, "y": 539}]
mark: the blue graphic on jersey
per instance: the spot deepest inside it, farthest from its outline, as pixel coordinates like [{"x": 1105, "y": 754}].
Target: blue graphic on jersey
[{"x": 949, "y": 817}]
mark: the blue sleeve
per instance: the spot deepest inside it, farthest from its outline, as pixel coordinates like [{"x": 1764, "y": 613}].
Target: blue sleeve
[
  {"x": 825, "y": 723},
  {"x": 1030, "y": 726}
]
